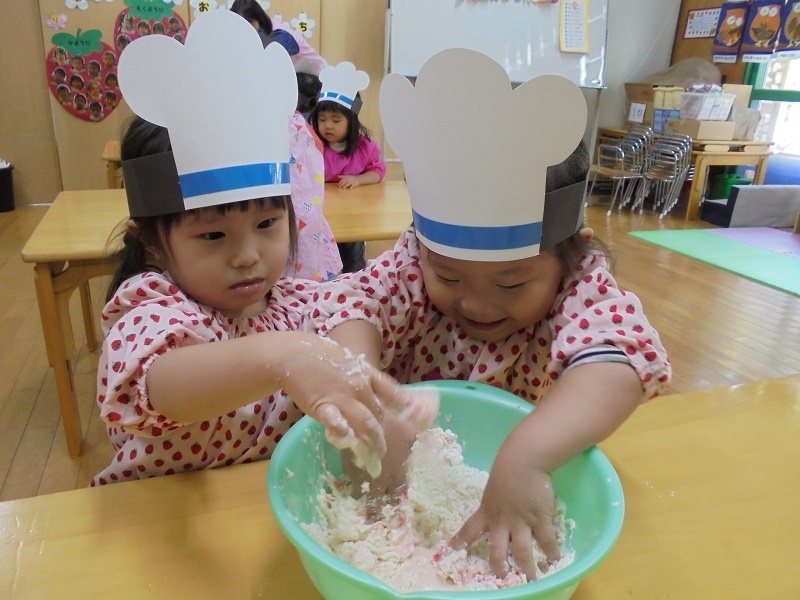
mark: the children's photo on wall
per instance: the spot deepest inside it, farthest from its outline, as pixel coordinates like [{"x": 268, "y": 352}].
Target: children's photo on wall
[
  {"x": 81, "y": 70},
  {"x": 140, "y": 20}
]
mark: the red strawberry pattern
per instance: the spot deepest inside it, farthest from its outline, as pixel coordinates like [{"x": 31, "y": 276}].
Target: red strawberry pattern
[
  {"x": 163, "y": 318},
  {"x": 420, "y": 343}
]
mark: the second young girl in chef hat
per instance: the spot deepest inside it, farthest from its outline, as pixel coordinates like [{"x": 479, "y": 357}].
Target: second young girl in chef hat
[{"x": 498, "y": 282}]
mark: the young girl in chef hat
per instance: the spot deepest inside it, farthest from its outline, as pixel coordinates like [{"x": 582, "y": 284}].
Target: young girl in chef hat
[
  {"x": 498, "y": 282},
  {"x": 200, "y": 357},
  {"x": 351, "y": 157}
]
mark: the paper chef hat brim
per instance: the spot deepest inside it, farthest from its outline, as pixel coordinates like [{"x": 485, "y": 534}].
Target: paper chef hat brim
[
  {"x": 223, "y": 151},
  {"x": 563, "y": 217},
  {"x": 475, "y": 152}
]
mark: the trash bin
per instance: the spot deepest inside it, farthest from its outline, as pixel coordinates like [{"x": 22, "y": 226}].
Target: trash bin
[
  {"x": 6, "y": 188},
  {"x": 722, "y": 184}
]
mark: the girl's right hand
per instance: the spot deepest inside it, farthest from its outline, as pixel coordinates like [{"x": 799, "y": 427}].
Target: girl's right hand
[
  {"x": 344, "y": 393},
  {"x": 349, "y": 181}
]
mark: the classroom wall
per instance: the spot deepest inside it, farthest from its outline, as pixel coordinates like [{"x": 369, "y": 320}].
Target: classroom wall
[
  {"x": 639, "y": 43},
  {"x": 27, "y": 139},
  {"x": 348, "y": 30},
  {"x": 702, "y": 47}
]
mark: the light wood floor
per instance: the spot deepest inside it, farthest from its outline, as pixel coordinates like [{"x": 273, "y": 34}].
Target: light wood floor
[{"x": 720, "y": 330}]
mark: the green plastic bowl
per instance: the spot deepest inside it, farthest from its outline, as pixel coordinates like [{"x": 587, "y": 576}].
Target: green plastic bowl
[{"x": 481, "y": 416}]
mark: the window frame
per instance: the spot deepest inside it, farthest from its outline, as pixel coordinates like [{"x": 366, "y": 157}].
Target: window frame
[{"x": 754, "y": 74}]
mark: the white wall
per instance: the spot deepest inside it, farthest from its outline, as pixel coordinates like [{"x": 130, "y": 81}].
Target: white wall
[{"x": 639, "y": 43}]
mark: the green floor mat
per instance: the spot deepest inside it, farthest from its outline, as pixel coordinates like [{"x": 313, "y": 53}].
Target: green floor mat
[{"x": 774, "y": 269}]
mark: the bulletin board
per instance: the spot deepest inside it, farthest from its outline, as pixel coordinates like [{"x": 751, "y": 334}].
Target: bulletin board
[{"x": 523, "y": 36}]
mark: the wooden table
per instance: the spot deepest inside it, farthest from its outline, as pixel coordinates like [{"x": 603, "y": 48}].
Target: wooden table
[
  {"x": 713, "y": 153},
  {"x": 68, "y": 248},
  {"x": 369, "y": 212},
  {"x": 710, "y": 481},
  {"x": 73, "y": 240}
]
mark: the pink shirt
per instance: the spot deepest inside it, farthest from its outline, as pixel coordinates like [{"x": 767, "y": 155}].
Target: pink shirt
[
  {"x": 420, "y": 343},
  {"x": 150, "y": 316},
  {"x": 367, "y": 157},
  {"x": 307, "y": 54}
]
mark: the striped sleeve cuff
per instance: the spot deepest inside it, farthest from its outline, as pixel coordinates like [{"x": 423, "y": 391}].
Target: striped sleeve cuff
[{"x": 602, "y": 353}]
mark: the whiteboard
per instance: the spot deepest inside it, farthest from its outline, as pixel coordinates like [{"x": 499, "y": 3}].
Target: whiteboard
[{"x": 522, "y": 36}]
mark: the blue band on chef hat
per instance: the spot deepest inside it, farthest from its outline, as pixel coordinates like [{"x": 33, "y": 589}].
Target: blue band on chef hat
[
  {"x": 336, "y": 97},
  {"x": 469, "y": 237},
  {"x": 239, "y": 177}
]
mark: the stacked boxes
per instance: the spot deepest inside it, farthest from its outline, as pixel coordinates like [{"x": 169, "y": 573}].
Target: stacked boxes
[
  {"x": 661, "y": 103},
  {"x": 671, "y": 109}
]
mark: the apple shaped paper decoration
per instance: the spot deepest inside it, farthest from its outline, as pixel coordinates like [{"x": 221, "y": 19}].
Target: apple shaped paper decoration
[
  {"x": 147, "y": 17},
  {"x": 82, "y": 74}
]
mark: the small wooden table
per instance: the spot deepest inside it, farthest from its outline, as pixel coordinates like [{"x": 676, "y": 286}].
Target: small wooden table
[
  {"x": 73, "y": 241},
  {"x": 710, "y": 481},
  {"x": 369, "y": 212},
  {"x": 713, "y": 153}
]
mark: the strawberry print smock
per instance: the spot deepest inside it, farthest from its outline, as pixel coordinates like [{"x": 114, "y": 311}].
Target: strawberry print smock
[
  {"x": 591, "y": 320},
  {"x": 150, "y": 316}
]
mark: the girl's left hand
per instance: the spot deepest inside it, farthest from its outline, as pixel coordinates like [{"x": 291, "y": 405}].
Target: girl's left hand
[
  {"x": 518, "y": 505},
  {"x": 344, "y": 393},
  {"x": 349, "y": 181}
]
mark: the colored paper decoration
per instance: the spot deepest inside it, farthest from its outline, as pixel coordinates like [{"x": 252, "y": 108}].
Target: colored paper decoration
[
  {"x": 789, "y": 36},
  {"x": 732, "y": 19},
  {"x": 147, "y": 18},
  {"x": 761, "y": 31},
  {"x": 82, "y": 74}
]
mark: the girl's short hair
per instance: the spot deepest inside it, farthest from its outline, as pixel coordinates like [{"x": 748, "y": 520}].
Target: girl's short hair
[
  {"x": 354, "y": 128},
  {"x": 573, "y": 170},
  {"x": 252, "y": 11},
  {"x": 143, "y": 138}
]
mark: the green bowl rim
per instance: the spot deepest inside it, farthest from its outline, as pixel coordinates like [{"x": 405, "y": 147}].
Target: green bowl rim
[{"x": 570, "y": 575}]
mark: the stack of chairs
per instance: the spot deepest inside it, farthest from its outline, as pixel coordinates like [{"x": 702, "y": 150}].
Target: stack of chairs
[
  {"x": 667, "y": 167},
  {"x": 623, "y": 162}
]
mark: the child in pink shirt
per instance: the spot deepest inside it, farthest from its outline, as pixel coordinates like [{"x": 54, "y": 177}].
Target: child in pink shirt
[{"x": 351, "y": 157}]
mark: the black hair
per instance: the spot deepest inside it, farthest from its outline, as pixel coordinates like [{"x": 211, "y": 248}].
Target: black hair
[
  {"x": 573, "y": 170},
  {"x": 252, "y": 11},
  {"x": 308, "y": 88},
  {"x": 143, "y": 138},
  {"x": 354, "y": 128}
]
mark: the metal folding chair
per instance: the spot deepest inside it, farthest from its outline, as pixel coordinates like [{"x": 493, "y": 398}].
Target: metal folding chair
[{"x": 622, "y": 162}]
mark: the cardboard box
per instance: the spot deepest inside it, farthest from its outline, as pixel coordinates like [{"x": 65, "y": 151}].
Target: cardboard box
[
  {"x": 702, "y": 130},
  {"x": 639, "y": 93},
  {"x": 742, "y": 93},
  {"x": 661, "y": 117},
  {"x": 654, "y": 98},
  {"x": 667, "y": 96}
]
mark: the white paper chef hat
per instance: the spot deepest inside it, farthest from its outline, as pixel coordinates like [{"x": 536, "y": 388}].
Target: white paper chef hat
[
  {"x": 475, "y": 154},
  {"x": 226, "y": 102},
  {"x": 341, "y": 84}
]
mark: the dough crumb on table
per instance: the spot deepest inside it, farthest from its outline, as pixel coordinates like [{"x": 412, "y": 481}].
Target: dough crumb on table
[{"x": 407, "y": 546}]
